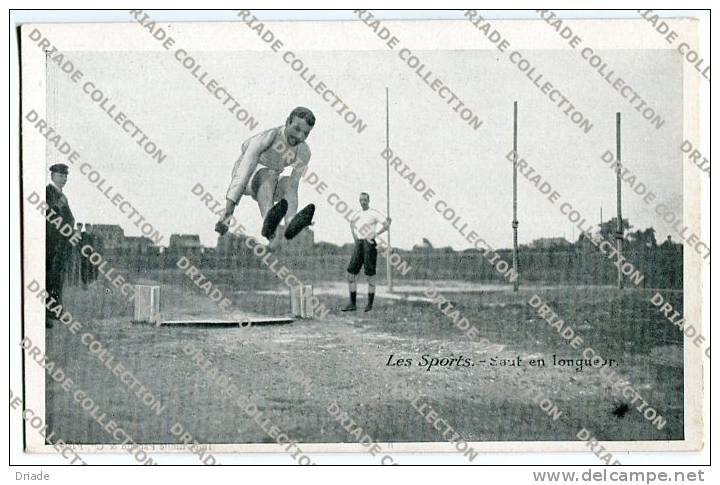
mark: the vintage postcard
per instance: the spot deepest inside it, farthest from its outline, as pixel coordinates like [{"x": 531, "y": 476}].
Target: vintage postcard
[{"x": 370, "y": 236}]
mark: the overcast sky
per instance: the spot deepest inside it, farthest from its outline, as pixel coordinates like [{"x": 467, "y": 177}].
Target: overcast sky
[{"x": 465, "y": 167}]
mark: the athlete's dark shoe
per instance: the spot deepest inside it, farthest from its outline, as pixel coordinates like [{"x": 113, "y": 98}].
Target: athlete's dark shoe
[
  {"x": 273, "y": 219},
  {"x": 368, "y": 308},
  {"x": 301, "y": 220},
  {"x": 349, "y": 308}
]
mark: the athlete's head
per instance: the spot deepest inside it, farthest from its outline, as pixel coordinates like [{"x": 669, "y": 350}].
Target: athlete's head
[
  {"x": 298, "y": 125},
  {"x": 364, "y": 200}
]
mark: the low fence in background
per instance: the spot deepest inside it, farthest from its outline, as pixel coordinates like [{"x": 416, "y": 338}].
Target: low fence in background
[{"x": 662, "y": 267}]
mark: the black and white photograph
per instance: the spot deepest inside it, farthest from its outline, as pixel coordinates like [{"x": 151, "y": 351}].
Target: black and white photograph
[{"x": 377, "y": 236}]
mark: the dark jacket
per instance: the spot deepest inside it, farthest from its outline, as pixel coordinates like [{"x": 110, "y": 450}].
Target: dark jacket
[{"x": 57, "y": 201}]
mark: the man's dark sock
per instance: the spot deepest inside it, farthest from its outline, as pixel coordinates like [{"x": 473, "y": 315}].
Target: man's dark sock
[
  {"x": 353, "y": 300},
  {"x": 371, "y": 299}
]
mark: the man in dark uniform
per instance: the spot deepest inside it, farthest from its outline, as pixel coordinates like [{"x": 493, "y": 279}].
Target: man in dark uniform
[{"x": 57, "y": 246}]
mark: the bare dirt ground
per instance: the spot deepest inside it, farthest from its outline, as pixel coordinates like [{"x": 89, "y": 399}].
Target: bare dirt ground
[{"x": 345, "y": 358}]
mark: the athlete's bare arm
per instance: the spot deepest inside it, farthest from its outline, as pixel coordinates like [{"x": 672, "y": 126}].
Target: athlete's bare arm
[
  {"x": 385, "y": 226},
  {"x": 352, "y": 231},
  {"x": 241, "y": 177}
]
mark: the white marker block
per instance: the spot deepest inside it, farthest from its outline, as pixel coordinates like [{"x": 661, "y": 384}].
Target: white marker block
[
  {"x": 147, "y": 304},
  {"x": 300, "y": 301}
]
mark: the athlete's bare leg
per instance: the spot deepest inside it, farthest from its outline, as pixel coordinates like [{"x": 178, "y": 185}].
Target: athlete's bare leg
[
  {"x": 286, "y": 190},
  {"x": 267, "y": 197},
  {"x": 266, "y": 191}
]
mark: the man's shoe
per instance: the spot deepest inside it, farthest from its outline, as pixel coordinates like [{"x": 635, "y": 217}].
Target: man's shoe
[
  {"x": 301, "y": 220},
  {"x": 368, "y": 308},
  {"x": 273, "y": 219},
  {"x": 349, "y": 308}
]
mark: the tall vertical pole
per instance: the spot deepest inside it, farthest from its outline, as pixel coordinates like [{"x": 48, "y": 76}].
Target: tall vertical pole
[
  {"x": 515, "y": 223},
  {"x": 388, "y": 267},
  {"x": 619, "y": 233}
]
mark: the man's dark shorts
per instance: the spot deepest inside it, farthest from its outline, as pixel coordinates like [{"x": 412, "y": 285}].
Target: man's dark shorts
[{"x": 364, "y": 254}]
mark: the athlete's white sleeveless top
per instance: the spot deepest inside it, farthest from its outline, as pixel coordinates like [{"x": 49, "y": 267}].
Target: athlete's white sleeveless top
[{"x": 274, "y": 154}]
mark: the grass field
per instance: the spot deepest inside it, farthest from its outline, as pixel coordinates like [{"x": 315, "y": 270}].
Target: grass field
[{"x": 481, "y": 402}]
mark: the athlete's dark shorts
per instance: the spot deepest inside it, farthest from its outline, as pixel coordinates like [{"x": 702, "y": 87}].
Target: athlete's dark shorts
[{"x": 364, "y": 254}]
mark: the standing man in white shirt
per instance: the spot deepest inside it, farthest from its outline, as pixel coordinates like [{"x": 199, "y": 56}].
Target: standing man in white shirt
[
  {"x": 365, "y": 250},
  {"x": 258, "y": 173}
]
